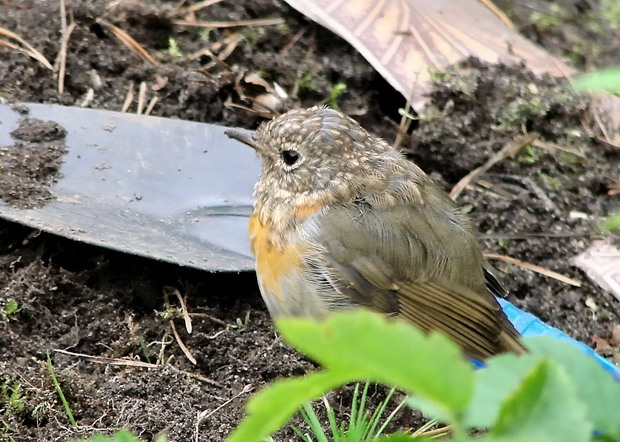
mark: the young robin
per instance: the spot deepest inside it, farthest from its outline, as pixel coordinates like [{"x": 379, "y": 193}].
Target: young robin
[{"x": 343, "y": 220}]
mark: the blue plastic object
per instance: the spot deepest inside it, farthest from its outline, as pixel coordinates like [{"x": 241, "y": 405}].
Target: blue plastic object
[{"x": 529, "y": 325}]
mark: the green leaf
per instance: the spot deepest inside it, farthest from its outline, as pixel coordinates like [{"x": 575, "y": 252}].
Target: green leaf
[
  {"x": 603, "y": 80},
  {"x": 388, "y": 351},
  {"x": 612, "y": 223},
  {"x": 545, "y": 407},
  {"x": 494, "y": 384},
  {"x": 272, "y": 407},
  {"x": 594, "y": 385}
]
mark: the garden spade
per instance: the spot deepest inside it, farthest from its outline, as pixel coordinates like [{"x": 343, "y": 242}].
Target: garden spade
[{"x": 172, "y": 190}]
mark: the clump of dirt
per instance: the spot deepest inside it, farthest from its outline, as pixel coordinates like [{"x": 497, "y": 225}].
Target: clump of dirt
[
  {"x": 487, "y": 106},
  {"x": 30, "y": 166},
  {"x": 103, "y": 316}
]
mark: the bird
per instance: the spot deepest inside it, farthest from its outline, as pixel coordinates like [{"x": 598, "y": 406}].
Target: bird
[{"x": 342, "y": 221}]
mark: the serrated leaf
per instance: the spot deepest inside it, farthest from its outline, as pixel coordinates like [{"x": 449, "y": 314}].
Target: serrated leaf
[
  {"x": 594, "y": 385},
  {"x": 493, "y": 384},
  {"x": 545, "y": 407},
  {"x": 272, "y": 407},
  {"x": 388, "y": 351}
]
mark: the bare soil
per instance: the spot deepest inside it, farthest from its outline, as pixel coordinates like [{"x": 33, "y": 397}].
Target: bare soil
[{"x": 541, "y": 206}]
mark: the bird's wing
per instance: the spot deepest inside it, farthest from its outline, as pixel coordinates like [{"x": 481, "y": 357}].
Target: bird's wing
[{"x": 423, "y": 266}]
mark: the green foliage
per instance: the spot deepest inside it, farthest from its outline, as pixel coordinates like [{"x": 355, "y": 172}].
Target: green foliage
[
  {"x": 362, "y": 425},
  {"x": 306, "y": 81},
  {"x": 11, "y": 309},
  {"x": 174, "y": 51},
  {"x": 528, "y": 155},
  {"x": 11, "y": 394},
  {"x": 337, "y": 90},
  {"x": 612, "y": 223},
  {"x": 61, "y": 395},
  {"x": 555, "y": 392},
  {"x": 603, "y": 80}
]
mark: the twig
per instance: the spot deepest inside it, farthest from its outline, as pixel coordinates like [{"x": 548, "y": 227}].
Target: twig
[
  {"x": 128, "y": 41},
  {"x": 27, "y": 48},
  {"x": 185, "y": 350},
  {"x": 65, "y": 33},
  {"x": 535, "y": 268},
  {"x": 506, "y": 151},
  {"x": 230, "y": 24}
]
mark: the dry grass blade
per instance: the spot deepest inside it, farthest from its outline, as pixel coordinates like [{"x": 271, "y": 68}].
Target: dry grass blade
[
  {"x": 546, "y": 145},
  {"x": 506, "y": 151},
  {"x": 130, "y": 363},
  {"x": 535, "y": 268},
  {"x": 110, "y": 361},
  {"x": 202, "y": 416},
  {"x": 151, "y": 105},
  {"x": 26, "y": 48},
  {"x": 128, "y": 97},
  {"x": 188, "y": 320},
  {"x": 230, "y": 105},
  {"x": 442, "y": 431},
  {"x": 65, "y": 33},
  {"x": 128, "y": 41},
  {"x": 10, "y": 45},
  {"x": 184, "y": 348},
  {"x": 196, "y": 7},
  {"x": 230, "y": 24},
  {"x": 141, "y": 97}
]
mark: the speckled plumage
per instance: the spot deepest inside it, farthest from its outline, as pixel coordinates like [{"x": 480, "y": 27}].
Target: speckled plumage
[{"x": 343, "y": 220}]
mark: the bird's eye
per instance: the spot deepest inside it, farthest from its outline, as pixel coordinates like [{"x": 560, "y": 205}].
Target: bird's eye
[{"x": 290, "y": 157}]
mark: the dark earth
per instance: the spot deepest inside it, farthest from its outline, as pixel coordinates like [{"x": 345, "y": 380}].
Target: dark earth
[{"x": 541, "y": 206}]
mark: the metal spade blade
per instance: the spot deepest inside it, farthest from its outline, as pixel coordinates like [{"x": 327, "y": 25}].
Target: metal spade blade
[{"x": 172, "y": 190}]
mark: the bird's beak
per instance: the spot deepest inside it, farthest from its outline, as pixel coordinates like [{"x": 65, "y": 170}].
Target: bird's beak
[{"x": 243, "y": 137}]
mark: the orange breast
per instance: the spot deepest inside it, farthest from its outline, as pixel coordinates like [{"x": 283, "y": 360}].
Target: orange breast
[{"x": 272, "y": 262}]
